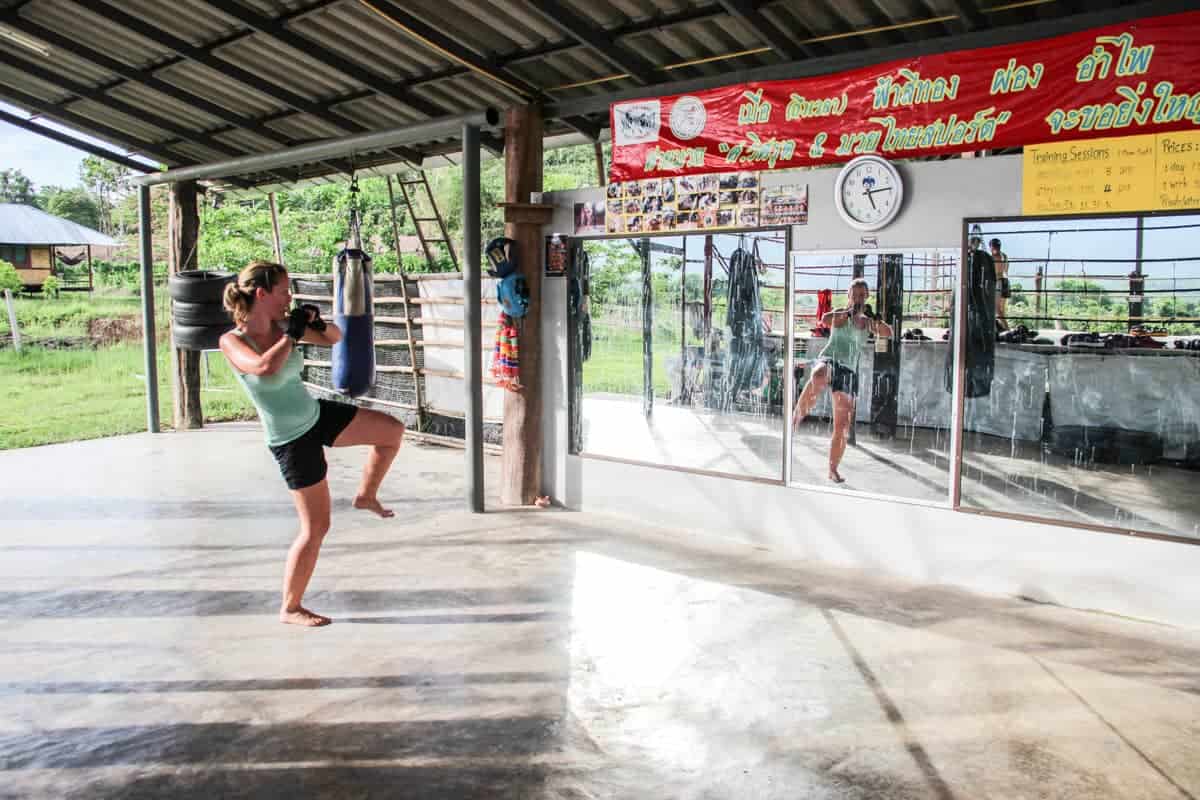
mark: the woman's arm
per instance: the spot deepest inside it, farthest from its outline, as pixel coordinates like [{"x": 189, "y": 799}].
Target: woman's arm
[
  {"x": 243, "y": 358},
  {"x": 835, "y": 319},
  {"x": 330, "y": 336},
  {"x": 882, "y": 328},
  {"x": 323, "y": 333}
]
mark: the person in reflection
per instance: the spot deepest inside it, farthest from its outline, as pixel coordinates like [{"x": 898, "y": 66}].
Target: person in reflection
[
  {"x": 1003, "y": 286},
  {"x": 263, "y": 350},
  {"x": 837, "y": 368}
]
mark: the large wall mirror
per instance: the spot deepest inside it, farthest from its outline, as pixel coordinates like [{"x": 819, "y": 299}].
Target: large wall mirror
[
  {"x": 679, "y": 351},
  {"x": 872, "y": 405},
  {"x": 1082, "y": 371}
]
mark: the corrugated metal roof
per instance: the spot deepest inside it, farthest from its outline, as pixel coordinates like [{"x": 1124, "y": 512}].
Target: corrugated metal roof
[
  {"x": 28, "y": 225},
  {"x": 256, "y": 75}
]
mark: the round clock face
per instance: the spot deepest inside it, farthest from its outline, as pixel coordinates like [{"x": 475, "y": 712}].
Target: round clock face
[{"x": 868, "y": 193}]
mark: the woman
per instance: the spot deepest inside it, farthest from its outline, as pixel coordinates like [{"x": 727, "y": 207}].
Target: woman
[
  {"x": 837, "y": 367},
  {"x": 263, "y": 351}
]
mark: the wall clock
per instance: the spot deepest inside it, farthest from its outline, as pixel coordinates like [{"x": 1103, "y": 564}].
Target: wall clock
[{"x": 868, "y": 193}]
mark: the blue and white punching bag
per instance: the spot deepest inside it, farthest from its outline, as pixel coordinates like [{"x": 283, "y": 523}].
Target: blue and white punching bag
[{"x": 353, "y": 301}]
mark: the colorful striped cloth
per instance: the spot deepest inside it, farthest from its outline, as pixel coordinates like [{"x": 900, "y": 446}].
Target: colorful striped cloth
[{"x": 506, "y": 361}]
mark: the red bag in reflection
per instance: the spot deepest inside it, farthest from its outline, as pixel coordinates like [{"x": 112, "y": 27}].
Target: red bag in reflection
[{"x": 824, "y": 306}]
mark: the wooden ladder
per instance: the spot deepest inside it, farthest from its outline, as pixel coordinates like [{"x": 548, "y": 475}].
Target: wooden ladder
[
  {"x": 408, "y": 327},
  {"x": 410, "y": 191}
]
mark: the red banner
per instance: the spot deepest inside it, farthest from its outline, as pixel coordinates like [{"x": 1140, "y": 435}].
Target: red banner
[{"x": 1138, "y": 77}]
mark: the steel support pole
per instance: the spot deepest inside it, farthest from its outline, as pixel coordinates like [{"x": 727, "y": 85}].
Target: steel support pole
[
  {"x": 146, "y": 238},
  {"x": 473, "y": 314}
]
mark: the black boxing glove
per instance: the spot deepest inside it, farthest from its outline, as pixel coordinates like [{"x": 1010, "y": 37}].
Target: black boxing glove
[
  {"x": 315, "y": 322},
  {"x": 868, "y": 312},
  {"x": 297, "y": 322}
]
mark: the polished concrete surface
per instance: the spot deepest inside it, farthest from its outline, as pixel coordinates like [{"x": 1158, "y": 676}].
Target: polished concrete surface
[{"x": 525, "y": 654}]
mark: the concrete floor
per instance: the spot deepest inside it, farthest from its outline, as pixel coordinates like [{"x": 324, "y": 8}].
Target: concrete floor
[
  {"x": 999, "y": 474},
  {"x": 525, "y": 654}
]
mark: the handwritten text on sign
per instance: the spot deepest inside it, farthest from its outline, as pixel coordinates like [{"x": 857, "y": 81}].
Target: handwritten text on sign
[
  {"x": 1156, "y": 172},
  {"x": 1136, "y": 78}
]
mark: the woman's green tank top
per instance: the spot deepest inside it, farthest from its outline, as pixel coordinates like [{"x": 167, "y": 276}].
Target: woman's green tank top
[
  {"x": 284, "y": 405},
  {"x": 846, "y": 345}
]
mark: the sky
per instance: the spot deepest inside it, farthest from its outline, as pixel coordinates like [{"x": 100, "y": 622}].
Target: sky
[{"x": 44, "y": 161}]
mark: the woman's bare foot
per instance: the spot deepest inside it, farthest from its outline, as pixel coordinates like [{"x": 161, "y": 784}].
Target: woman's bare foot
[
  {"x": 303, "y": 617},
  {"x": 835, "y": 477},
  {"x": 373, "y": 504}
]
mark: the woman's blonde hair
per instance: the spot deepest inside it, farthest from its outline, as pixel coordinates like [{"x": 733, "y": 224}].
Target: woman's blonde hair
[{"x": 239, "y": 293}]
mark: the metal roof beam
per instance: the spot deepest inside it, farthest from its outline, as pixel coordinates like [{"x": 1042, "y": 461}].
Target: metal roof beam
[
  {"x": 380, "y": 84},
  {"x": 376, "y": 141},
  {"x": 199, "y": 55},
  {"x": 79, "y": 144},
  {"x": 592, "y": 36},
  {"x": 85, "y": 92},
  {"x": 140, "y": 76},
  {"x": 156, "y": 149},
  {"x": 585, "y": 126},
  {"x": 439, "y": 42},
  {"x": 748, "y": 14}
]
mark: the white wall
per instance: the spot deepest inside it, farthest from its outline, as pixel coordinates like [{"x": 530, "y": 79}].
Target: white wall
[{"x": 1141, "y": 578}]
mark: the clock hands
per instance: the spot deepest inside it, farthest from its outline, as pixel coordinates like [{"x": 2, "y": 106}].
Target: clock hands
[{"x": 873, "y": 191}]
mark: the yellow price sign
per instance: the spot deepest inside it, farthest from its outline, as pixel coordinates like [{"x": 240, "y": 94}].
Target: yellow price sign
[{"x": 1177, "y": 176}]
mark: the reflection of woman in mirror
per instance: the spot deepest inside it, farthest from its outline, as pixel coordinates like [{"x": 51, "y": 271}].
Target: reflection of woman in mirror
[{"x": 837, "y": 368}]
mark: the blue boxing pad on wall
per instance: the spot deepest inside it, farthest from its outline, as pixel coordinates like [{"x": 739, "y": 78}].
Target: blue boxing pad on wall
[{"x": 353, "y": 312}]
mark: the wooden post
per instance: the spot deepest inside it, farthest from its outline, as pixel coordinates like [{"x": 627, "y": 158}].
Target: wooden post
[
  {"x": 185, "y": 366},
  {"x": 278, "y": 241},
  {"x": 601, "y": 177},
  {"x": 521, "y": 467},
  {"x": 12, "y": 321},
  {"x": 91, "y": 284}
]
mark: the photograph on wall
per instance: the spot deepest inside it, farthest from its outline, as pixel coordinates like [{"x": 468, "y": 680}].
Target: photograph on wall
[
  {"x": 557, "y": 251},
  {"x": 688, "y": 203},
  {"x": 589, "y": 217},
  {"x": 784, "y": 205}
]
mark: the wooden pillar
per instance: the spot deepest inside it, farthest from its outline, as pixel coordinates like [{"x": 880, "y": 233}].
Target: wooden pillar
[
  {"x": 521, "y": 464},
  {"x": 91, "y": 283},
  {"x": 185, "y": 364},
  {"x": 601, "y": 177}
]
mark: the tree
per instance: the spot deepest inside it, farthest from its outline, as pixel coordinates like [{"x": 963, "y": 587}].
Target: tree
[
  {"x": 15, "y": 187},
  {"x": 109, "y": 182},
  {"x": 73, "y": 204},
  {"x": 9, "y": 278}
]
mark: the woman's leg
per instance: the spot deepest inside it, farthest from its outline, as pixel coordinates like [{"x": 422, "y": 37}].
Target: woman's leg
[
  {"x": 384, "y": 434},
  {"x": 843, "y": 418},
  {"x": 312, "y": 504},
  {"x": 812, "y": 391}
]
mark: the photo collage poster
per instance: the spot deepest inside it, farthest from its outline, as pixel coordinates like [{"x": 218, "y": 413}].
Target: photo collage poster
[{"x": 688, "y": 203}]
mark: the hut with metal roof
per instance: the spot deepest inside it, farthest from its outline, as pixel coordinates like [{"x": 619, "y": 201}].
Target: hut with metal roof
[{"x": 30, "y": 240}]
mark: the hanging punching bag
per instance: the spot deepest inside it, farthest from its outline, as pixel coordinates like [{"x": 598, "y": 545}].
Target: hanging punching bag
[{"x": 353, "y": 303}]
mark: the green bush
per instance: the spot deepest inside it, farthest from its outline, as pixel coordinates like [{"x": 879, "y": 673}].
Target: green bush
[
  {"x": 9, "y": 279},
  {"x": 51, "y": 288}
]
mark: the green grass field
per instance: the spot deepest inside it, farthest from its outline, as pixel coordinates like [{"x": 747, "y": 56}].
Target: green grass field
[
  {"x": 70, "y": 314},
  {"x": 49, "y": 396},
  {"x": 616, "y": 362}
]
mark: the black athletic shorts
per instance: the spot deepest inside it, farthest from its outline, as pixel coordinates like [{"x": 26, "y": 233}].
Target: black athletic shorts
[
  {"x": 841, "y": 377},
  {"x": 1005, "y": 288},
  {"x": 302, "y": 460}
]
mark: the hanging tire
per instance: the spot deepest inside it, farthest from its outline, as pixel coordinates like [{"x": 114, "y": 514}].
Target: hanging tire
[
  {"x": 199, "y": 337},
  {"x": 199, "y": 314},
  {"x": 199, "y": 286}
]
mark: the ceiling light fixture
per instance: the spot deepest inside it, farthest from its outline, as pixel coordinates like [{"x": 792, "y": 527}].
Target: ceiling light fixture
[{"x": 17, "y": 37}]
